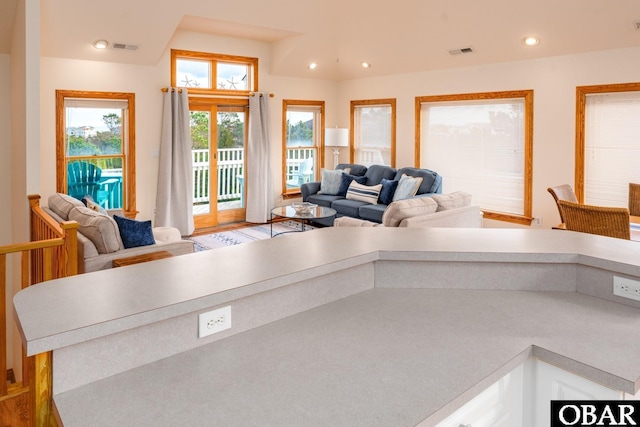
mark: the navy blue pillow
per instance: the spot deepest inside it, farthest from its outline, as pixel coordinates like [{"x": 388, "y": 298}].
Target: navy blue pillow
[
  {"x": 388, "y": 189},
  {"x": 134, "y": 233},
  {"x": 346, "y": 181}
]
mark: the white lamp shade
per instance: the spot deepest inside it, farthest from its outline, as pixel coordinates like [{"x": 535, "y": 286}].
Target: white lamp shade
[{"x": 336, "y": 137}]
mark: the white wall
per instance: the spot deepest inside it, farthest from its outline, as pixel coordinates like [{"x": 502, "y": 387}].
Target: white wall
[
  {"x": 553, "y": 81},
  {"x": 146, "y": 82}
]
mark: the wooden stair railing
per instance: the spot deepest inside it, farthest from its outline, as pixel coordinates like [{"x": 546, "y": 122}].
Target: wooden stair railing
[{"x": 51, "y": 254}]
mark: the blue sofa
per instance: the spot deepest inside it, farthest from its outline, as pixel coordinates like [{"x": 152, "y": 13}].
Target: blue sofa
[{"x": 373, "y": 175}]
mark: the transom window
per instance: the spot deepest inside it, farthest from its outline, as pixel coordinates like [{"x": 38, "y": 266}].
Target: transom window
[
  {"x": 373, "y": 132},
  {"x": 607, "y": 144},
  {"x": 96, "y": 147},
  {"x": 302, "y": 141},
  {"x": 211, "y": 73},
  {"x": 481, "y": 143}
]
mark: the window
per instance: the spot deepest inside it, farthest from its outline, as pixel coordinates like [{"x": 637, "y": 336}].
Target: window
[
  {"x": 302, "y": 141},
  {"x": 373, "y": 132},
  {"x": 607, "y": 144},
  {"x": 96, "y": 147},
  {"x": 209, "y": 73},
  {"x": 481, "y": 143}
]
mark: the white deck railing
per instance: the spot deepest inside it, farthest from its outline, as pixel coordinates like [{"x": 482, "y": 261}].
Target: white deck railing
[{"x": 231, "y": 171}]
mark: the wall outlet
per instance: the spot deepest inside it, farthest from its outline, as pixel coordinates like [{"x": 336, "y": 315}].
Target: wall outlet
[
  {"x": 537, "y": 221},
  {"x": 626, "y": 288},
  {"x": 214, "y": 321}
]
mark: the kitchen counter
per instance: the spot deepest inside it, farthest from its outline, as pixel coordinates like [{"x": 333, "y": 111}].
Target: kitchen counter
[{"x": 335, "y": 326}]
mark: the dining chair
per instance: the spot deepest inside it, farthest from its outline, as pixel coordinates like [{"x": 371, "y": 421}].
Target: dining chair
[
  {"x": 601, "y": 220},
  {"x": 563, "y": 192},
  {"x": 634, "y": 199}
]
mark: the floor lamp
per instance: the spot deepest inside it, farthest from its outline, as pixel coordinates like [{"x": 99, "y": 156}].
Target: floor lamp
[{"x": 336, "y": 138}]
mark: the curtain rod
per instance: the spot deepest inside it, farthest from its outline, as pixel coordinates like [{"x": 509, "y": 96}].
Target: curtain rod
[{"x": 166, "y": 89}]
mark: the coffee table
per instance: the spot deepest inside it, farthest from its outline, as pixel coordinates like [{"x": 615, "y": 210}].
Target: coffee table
[{"x": 288, "y": 212}]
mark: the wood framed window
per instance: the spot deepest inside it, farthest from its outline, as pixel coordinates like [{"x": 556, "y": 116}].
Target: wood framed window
[
  {"x": 607, "y": 145},
  {"x": 214, "y": 74},
  {"x": 302, "y": 143},
  {"x": 373, "y": 132},
  {"x": 481, "y": 143},
  {"x": 95, "y": 147}
]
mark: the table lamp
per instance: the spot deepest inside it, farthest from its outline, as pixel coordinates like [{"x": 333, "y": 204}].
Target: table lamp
[{"x": 336, "y": 138}]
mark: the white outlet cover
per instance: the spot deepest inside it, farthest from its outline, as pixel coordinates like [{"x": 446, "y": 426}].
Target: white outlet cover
[
  {"x": 214, "y": 321},
  {"x": 626, "y": 288}
]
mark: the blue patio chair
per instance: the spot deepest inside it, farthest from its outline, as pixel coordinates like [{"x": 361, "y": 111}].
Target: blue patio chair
[{"x": 83, "y": 178}]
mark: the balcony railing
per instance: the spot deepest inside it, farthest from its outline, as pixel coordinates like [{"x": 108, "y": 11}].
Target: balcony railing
[{"x": 231, "y": 172}]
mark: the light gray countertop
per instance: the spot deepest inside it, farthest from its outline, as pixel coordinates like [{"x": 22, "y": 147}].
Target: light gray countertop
[
  {"x": 105, "y": 302},
  {"x": 377, "y": 357},
  {"x": 384, "y": 357}
]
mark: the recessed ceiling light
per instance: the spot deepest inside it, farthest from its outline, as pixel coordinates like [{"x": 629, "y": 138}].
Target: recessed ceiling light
[
  {"x": 313, "y": 66},
  {"x": 101, "y": 44},
  {"x": 531, "y": 41},
  {"x": 366, "y": 65}
]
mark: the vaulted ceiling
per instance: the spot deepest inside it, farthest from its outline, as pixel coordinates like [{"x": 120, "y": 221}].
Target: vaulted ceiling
[{"x": 401, "y": 36}]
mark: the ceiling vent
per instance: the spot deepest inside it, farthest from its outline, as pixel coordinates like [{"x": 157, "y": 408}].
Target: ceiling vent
[
  {"x": 461, "y": 51},
  {"x": 124, "y": 46}
]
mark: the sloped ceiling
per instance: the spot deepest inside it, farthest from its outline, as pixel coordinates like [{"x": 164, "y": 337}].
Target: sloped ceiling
[{"x": 396, "y": 37}]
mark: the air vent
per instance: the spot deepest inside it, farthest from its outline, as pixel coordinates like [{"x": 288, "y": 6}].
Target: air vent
[
  {"x": 461, "y": 51},
  {"x": 124, "y": 46}
]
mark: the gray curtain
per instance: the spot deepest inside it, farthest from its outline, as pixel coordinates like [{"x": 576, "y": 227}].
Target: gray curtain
[
  {"x": 258, "y": 175},
  {"x": 174, "y": 200}
]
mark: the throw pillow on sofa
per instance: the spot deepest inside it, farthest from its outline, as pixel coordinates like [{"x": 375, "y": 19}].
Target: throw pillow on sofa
[
  {"x": 364, "y": 193},
  {"x": 134, "y": 233},
  {"x": 91, "y": 204},
  {"x": 330, "y": 181},
  {"x": 388, "y": 190},
  {"x": 101, "y": 229},
  {"x": 407, "y": 187},
  {"x": 401, "y": 209},
  {"x": 346, "y": 180},
  {"x": 61, "y": 204},
  {"x": 457, "y": 199}
]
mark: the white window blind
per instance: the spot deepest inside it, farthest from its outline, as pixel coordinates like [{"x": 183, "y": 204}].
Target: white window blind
[
  {"x": 612, "y": 147},
  {"x": 372, "y": 134},
  {"x": 477, "y": 146}
]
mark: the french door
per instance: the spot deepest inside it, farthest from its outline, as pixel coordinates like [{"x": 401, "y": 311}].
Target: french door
[{"x": 219, "y": 134}]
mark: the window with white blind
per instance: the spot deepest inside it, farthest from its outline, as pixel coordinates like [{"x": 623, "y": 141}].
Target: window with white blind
[
  {"x": 373, "y": 128},
  {"x": 608, "y": 151},
  {"x": 482, "y": 144}
]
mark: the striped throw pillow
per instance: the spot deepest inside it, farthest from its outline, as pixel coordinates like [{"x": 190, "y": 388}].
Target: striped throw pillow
[{"x": 364, "y": 193}]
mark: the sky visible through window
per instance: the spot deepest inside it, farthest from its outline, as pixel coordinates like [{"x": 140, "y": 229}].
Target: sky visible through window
[
  {"x": 78, "y": 117},
  {"x": 195, "y": 73}
]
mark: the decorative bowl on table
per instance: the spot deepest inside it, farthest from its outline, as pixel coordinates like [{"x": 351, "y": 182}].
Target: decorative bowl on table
[{"x": 303, "y": 208}]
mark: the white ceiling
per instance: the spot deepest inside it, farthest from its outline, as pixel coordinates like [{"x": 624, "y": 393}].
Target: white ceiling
[{"x": 400, "y": 36}]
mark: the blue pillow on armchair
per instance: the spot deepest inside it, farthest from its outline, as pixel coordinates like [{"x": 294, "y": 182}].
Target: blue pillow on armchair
[
  {"x": 134, "y": 233},
  {"x": 346, "y": 182}
]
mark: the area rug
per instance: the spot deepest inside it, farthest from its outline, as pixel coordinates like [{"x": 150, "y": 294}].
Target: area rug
[{"x": 243, "y": 235}]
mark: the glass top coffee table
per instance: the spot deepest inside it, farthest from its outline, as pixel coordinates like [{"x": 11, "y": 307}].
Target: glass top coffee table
[{"x": 316, "y": 212}]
